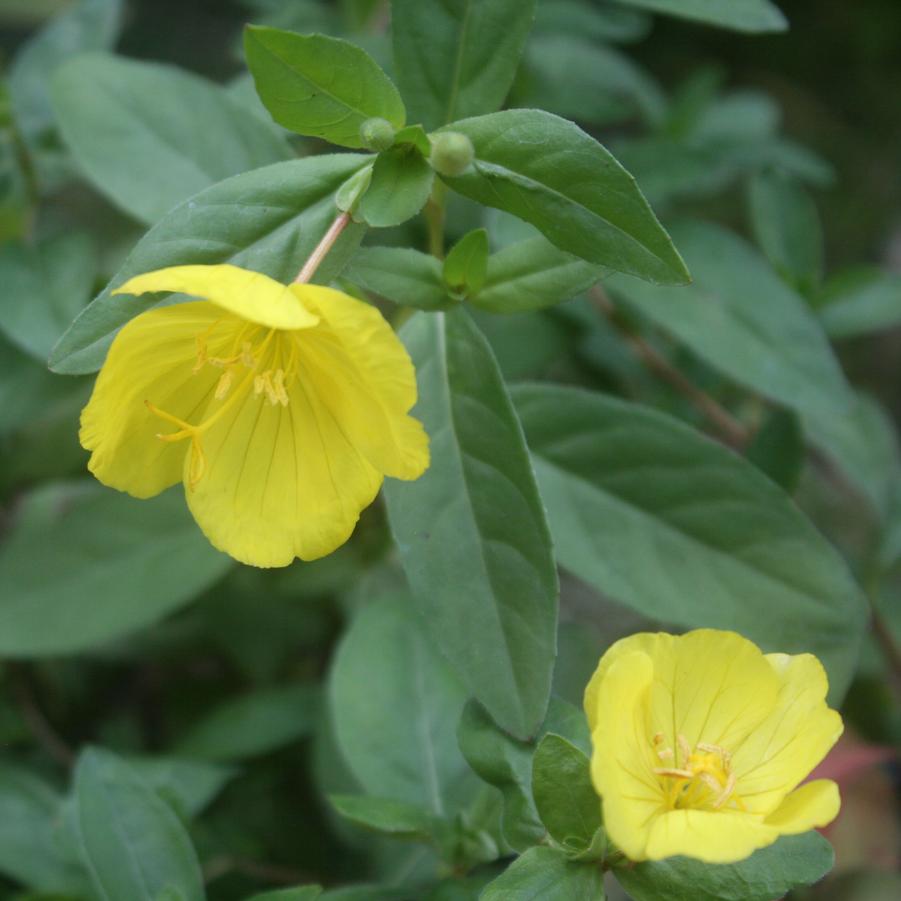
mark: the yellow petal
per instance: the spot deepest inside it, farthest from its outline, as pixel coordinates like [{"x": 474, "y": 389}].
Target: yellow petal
[
  {"x": 710, "y": 686},
  {"x": 363, "y": 372},
  {"x": 812, "y": 806},
  {"x": 792, "y": 740},
  {"x": 711, "y": 836},
  {"x": 280, "y": 481},
  {"x": 151, "y": 359},
  {"x": 621, "y": 762},
  {"x": 250, "y": 295}
]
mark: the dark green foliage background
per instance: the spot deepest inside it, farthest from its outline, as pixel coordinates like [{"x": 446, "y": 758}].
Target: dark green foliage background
[{"x": 243, "y": 732}]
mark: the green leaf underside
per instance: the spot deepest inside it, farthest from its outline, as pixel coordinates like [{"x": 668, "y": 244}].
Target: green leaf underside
[
  {"x": 148, "y": 135},
  {"x": 457, "y": 58},
  {"x": 793, "y": 861},
  {"x": 132, "y": 843},
  {"x": 385, "y": 815},
  {"x": 533, "y": 274},
  {"x": 400, "y": 274},
  {"x": 741, "y": 15},
  {"x": 550, "y": 173},
  {"x": 743, "y": 320},
  {"x": 320, "y": 86},
  {"x": 564, "y": 796},
  {"x": 268, "y": 220},
  {"x": 44, "y": 287},
  {"x": 253, "y": 724},
  {"x": 29, "y": 823},
  {"x": 398, "y": 737},
  {"x": 401, "y": 184},
  {"x": 55, "y": 604},
  {"x": 860, "y": 301},
  {"x": 544, "y": 874},
  {"x": 471, "y": 532},
  {"x": 665, "y": 521}
]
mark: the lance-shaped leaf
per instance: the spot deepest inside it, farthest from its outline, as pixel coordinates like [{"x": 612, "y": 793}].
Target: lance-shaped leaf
[
  {"x": 457, "y": 58},
  {"x": 132, "y": 843},
  {"x": 664, "y": 520},
  {"x": 400, "y": 274},
  {"x": 552, "y": 174},
  {"x": 792, "y": 862},
  {"x": 398, "y": 736},
  {"x": 741, "y": 15},
  {"x": 545, "y": 873},
  {"x": 268, "y": 220},
  {"x": 400, "y": 186},
  {"x": 148, "y": 136},
  {"x": 471, "y": 532},
  {"x": 531, "y": 275},
  {"x": 72, "y": 542},
  {"x": 320, "y": 86},
  {"x": 742, "y": 319},
  {"x": 859, "y": 301},
  {"x": 466, "y": 265}
]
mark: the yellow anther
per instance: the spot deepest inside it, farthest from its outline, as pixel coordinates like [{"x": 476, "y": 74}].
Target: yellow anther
[
  {"x": 247, "y": 357},
  {"x": 224, "y": 383},
  {"x": 701, "y": 779},
  {"x": 684, "y": 747},
  {"x": 279, "y": 385}
]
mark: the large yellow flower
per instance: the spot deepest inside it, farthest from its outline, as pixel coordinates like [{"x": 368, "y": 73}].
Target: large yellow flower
[
  {"x": 700, "y": 742},
  {"x": 280, "y": 407}
]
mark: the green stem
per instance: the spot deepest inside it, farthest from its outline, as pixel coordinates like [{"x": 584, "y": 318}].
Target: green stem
[{"x": 434, "y": 217}]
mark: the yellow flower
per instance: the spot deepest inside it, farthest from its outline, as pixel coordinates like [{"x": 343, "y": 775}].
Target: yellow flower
[
  {"x": 280, "y": 407},
  {"x": 700, "y": 742}
]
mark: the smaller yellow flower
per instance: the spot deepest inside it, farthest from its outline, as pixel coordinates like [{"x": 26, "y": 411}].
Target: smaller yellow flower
[
  {"x": 700, "y": 742},
  {"x": 280, "y": 407}
]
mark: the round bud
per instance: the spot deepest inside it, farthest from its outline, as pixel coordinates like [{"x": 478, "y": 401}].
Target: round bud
[
  {"x": 452, "y": 153},
  {"x": 377, "y": 134}
]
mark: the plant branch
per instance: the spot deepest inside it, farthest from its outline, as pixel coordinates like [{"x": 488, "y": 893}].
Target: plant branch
[
  {"x": 434, "y": 217},
  {"x": 731, "y": 430},
  {"x": 320, "y": 252}
]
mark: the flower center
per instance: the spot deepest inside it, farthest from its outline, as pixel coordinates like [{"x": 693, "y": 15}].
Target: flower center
[
  {"x": 698, "y": 778},
  {"x": 257, "y": 356}
]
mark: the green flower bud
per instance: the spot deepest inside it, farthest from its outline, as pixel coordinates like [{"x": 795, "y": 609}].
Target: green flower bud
[
  {"x": 452, "y": 153},
  {"x": 377, "y": 134}
]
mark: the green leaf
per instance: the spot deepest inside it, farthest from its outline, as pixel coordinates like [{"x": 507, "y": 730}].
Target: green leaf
[
  {"x": 792, "y": 862},
  {"x": 397, "y": 736},
  {"x": 741, "y": 15},
  {"x": 545, "y": 873},
  {"x": 471, "y": 532},
  {"x": 676, "y": 526},
  {"x": 415, "y": 136},
  {"x": 401, "y": 184},
  {"x": 385, "y": 815},
  {"x": 466, "y": 265},
  {"x": 320, "y": 86},
  {"x": 601, "y": 23},
  {"x": 44, "y": 287},
  {"x": 532, "y": 275},
  {"x": 268, "y": 220},
  {"x": 864, "y": 444},
  {"x": 787, "y": 227},
  {"x": 743, "y": 320},
  {"x": 29, "y": 815},
  {"x": 859, "y": 301},
  {"x": 148, "y": 136},
  {"x": 253, "y": 724},
  {"x": 188, "y": 785},
  {"x": 132, "y": 843},
  {"x": 85, "y": 25},
  {"x": 506, "y": 763},
  {"x": 457, "y": 58},
  {"x": 301, "y": 893},
  {"x": 400, "y": 274},
  {"x": 577, "y": 79},
  {"x": 778, "y": 449},
  {"x": 85, "y": 565},
  {"x": 564, "y": 796},
  {"x": 550, "y": 173}
]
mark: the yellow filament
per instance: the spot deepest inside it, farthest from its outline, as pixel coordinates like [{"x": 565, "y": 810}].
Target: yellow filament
[{"x": 702, "y": 777}]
